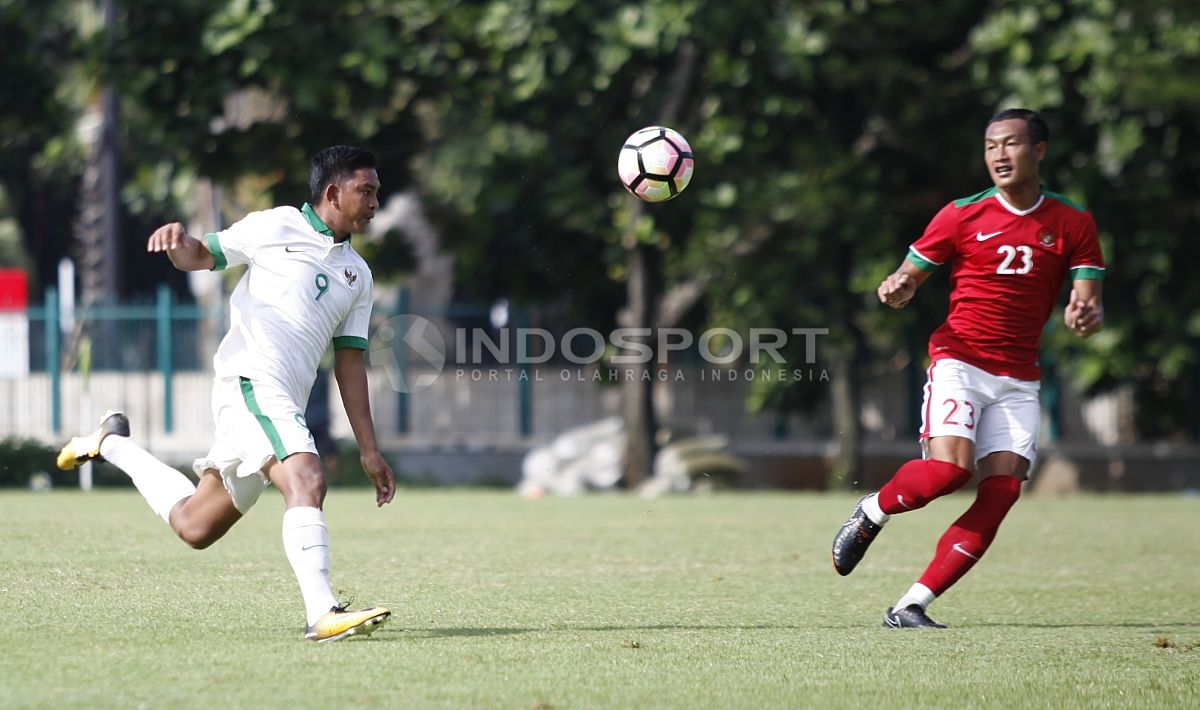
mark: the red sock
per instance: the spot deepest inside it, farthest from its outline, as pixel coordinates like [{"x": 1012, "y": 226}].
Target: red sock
[
  {"x": 920, "y": 481},
  {"x": 968, "y": 538}
]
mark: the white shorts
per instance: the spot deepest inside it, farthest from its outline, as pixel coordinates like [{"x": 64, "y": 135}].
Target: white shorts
[
  {"x": 255, "y": 421},
  {"x": 996, "y": 413}
]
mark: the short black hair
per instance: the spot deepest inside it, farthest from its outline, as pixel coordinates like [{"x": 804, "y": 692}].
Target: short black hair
[
  {"x": 334, "y": 163},
  {"x": 1039, "y": 132}
]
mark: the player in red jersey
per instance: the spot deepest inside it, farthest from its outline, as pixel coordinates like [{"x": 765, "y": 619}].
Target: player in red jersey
[{"x": 1009, "y": 249}]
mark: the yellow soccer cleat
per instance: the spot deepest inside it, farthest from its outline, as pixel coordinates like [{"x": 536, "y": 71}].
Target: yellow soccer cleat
[
  {"x": 86, "y": 448},
  {"x": 338, "y": 623}
]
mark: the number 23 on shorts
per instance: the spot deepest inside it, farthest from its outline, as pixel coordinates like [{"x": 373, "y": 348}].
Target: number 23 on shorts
[{"x": 959, "y": 412}]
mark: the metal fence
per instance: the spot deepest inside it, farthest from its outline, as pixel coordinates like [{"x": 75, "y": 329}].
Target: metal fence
[
  {"x": 159, "y": 337},
  {"x": 153, "y": 360}
]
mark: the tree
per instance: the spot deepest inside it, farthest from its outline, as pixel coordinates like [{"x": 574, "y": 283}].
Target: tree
[
  {"x": 39, "y": 159},
  {"x": 1118, "y": 86},
  {"x": 827, "y": 134}
]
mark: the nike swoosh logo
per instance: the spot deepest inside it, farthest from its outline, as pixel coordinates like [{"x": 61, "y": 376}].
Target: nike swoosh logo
[
  {"x": 984, "y": 237},
  {"x": 293, "y": 251},
  {"x": 959, "y": 548},
  {"x": 306, "y": 548}
]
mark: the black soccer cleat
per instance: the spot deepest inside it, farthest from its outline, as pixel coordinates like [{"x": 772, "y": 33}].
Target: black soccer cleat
[
  {"x": 910, "y": 617},
  {"x": 852, "y": 541}
]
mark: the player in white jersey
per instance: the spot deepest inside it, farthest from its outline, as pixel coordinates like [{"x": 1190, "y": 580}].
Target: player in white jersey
[{"x": 305, "y": 288}]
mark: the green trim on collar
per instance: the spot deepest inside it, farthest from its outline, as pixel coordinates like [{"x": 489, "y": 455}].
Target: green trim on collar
[
  {"x": 315, "y": 221},
  {"x": 977, "y": 197}
]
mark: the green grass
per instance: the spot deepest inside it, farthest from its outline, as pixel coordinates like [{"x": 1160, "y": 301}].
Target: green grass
[{"x": 723, "y": 601}]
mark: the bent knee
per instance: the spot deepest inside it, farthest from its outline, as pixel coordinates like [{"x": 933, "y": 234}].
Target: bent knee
[
  {"x": 197, "y": 542},
  {"x": 951, "y": 449},
  {"x": 198, "y": 538},
  {"x": 313, "y": 481},
  {"x": 301, "y": 481},
  {"x": 197, "y": 535},
  {"x": 305, "y": 490},
  {"x": 1004, "y": 463}
]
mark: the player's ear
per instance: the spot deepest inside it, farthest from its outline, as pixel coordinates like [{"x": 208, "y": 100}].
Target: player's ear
[
  {"x": 1039, "y": 149},
  {"x": 332, "y": 193}
]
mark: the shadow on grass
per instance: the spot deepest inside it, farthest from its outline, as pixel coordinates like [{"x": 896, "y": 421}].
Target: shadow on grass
[
  {"x": 1083, "y": 625},
  {"x": 451, "y": 633},
  {"x": 516, "y": 631}
]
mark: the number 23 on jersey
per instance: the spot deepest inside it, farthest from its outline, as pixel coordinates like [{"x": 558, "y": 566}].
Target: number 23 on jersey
[{"x": 1015, "y": 260}]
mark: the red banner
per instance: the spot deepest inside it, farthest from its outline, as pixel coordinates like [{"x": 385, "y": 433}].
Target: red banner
[{"x": 14, "y": 290}]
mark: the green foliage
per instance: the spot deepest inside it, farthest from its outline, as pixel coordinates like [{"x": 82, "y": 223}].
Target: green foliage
[
  {"x": 1123, "y": 104},
  {"x": 41, "y": 97},
  {"x": 22, "y": 458},
  {"x": 827, "y": 135}
]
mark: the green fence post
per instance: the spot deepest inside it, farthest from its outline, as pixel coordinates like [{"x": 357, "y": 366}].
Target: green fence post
[
  {"x": 1051, "y": 396},
  {"x": 402, "y": 363},
  {"x": 165, "y": 364},
  {"x": 53, "y": 338}
]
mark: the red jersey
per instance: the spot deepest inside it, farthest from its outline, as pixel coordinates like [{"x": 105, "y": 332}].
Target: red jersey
[{"x": 1007, "y": 267}]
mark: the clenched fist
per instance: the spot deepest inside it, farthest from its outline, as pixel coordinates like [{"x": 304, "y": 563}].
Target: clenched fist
[{"x": 897, "y": 290}]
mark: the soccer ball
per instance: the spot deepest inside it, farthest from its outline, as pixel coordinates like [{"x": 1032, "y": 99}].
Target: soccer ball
[{"x": 655, "y": 163}]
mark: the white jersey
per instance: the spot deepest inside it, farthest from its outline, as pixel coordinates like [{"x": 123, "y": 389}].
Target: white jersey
[{"x": 302, "y": 292}]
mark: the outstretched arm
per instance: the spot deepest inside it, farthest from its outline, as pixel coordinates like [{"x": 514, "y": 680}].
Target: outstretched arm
[
  {"x": 1084, "y": 313},
  {"x": 898, "y": 288},
  {"x": 351, "y": 373},
  {"x": 186, "y": 253}
]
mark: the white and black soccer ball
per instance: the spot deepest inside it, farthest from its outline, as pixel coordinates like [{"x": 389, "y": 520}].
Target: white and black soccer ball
[{"x": 655, "y": 163}]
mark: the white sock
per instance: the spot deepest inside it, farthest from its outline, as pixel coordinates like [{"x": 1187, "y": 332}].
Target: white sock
[
  {"x": 306, "y": 542},
  {"x": 917, "y": 594},
  {"x": 161, "y": 485},
  {"x": 870, "y": 506}
]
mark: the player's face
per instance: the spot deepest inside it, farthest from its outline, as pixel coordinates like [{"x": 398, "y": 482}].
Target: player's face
[
  {"x": 1011, "y": 159},
  {"x": 357, "y": 200}
]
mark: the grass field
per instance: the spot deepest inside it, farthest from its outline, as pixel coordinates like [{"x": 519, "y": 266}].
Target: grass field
[{"x": 723, "y": 601}]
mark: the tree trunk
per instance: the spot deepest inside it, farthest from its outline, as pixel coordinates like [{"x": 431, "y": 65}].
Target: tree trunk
[
  {"x": 846, "y": 402},
  {"x": 637, "y": 385},
  {"x": 98, "y": 241},
  {"x": 643, "y": 294},
  {"x": 846, "y": 389},
  {"x": 98, "y": 232}
]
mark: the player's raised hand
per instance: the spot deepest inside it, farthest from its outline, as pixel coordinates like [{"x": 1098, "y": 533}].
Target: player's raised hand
[
  {"x": 1082, "y": 317},
  {"x": 377, "y": 469},
  {"x": 168, "y": 237},
  {"x": 186, "y": 253},
  {"x": 897, "y": 290}
]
